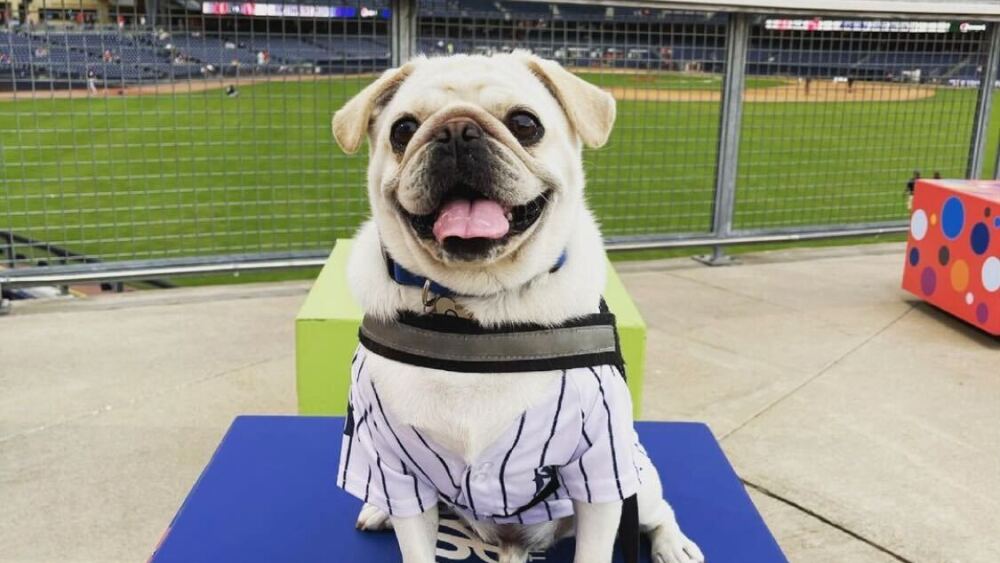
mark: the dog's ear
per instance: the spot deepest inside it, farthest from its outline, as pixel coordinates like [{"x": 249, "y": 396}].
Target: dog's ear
[
  {"x": 351, "y": 122},
  {"x": 591, "y": 111}
]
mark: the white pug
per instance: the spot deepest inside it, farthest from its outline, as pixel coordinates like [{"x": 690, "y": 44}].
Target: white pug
[{"x": 476, "y": 182}]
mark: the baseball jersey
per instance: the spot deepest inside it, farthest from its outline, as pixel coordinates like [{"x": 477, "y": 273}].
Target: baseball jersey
[{"x": 577, "y": 444}]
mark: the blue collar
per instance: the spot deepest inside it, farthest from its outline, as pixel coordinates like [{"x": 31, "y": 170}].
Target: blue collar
[{"x": 403, "y": 276}]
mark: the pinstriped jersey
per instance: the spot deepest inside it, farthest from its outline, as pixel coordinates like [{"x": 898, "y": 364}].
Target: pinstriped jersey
[{"x": 577, "y": 444}]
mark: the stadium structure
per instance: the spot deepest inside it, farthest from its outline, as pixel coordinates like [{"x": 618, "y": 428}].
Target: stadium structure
[{"x": 47, "y": 48}]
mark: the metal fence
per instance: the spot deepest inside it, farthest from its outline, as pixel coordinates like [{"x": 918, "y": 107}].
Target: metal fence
[{"x": 190, "y": 136}]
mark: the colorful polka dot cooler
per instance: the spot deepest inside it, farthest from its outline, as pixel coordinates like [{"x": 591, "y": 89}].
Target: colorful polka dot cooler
[{"x": 953, "y": 255}]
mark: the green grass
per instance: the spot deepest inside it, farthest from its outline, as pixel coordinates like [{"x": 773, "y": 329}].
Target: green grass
[{"x": 199, "y": 173}]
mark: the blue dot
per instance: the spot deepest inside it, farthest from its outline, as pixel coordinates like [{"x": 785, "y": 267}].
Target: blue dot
[
  {"x": 980, "y": 238},
  {"x": 914, "y": 256},
  {"x": 952, "y": 218},
  {"x": 996, "y": 222}
]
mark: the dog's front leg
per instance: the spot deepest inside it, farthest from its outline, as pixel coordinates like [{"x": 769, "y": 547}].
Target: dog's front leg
[
  {"x": 417, "y": 536},
  {"x": 596, "y": 528}
]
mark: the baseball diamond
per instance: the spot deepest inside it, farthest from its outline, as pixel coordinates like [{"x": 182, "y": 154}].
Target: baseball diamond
[{"x": 210, "y": 136}]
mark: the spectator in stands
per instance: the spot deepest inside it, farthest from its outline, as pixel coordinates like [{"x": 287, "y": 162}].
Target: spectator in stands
[
  {"x": 260, "y": 58},
  {"x": 911, "y": 186},
  {"x": 107, "y": 56},
  {"x": 41, "y": 52},
  {"x": 666, "y": 55}
]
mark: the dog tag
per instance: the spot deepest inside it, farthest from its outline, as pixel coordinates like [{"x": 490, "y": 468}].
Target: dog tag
[{"x": 439, "y": 305}]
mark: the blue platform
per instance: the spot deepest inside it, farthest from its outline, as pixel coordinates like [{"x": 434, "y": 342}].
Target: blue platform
[{"x": 269, "y": 495}]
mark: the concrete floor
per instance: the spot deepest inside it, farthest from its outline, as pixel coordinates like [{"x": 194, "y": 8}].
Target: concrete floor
[{"x": 864, "y": 423}]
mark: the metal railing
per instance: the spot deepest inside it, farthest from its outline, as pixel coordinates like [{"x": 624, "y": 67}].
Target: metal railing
[{"x": 194, "y": 138}]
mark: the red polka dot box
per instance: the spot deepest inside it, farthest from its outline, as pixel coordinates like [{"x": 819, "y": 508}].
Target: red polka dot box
[{"x": 953, "y": 255}]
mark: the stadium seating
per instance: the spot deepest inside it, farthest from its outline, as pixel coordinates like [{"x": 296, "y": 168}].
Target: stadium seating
[
  {"x": 289, "y": 49},
  {"x": 354, "y": 48},
  {"x": 693, "y": 40},
  {"x": 18, "y": 49},
  {"x": 215, "y": 51},
  {"x": 61, "y": 54}
]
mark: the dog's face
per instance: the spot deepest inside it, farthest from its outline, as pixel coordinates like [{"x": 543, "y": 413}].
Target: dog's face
[{"x": 474, "y": 160}]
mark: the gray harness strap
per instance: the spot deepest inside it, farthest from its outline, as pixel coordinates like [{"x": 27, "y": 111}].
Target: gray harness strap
[{"x": 544, "y": 344}]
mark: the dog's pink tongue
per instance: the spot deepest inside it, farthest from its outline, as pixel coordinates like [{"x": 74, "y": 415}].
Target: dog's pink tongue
[{"x": 471, "y": 219}]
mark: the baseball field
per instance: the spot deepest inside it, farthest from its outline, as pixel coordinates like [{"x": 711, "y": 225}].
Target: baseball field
[{"x": 183, "y": 169}]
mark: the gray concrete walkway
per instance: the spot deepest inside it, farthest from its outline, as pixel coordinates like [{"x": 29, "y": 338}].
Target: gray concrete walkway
[{"x": 866, "y": 425}]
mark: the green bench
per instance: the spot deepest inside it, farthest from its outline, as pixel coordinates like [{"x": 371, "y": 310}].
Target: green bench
[{"x": 326, "y": 334}]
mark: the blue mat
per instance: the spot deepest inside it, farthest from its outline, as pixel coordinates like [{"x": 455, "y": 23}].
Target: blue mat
[{"x": 269, "y": 495}]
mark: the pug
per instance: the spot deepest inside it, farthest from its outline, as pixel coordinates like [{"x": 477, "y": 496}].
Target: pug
[{"x": 476, "y": 187}]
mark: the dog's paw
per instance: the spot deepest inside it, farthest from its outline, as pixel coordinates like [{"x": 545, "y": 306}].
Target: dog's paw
[
  {"x": 373, "y": 519},
  {"x": 672, "y": 546}
]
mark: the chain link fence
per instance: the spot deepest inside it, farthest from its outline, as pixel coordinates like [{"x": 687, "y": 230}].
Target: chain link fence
[
  {"x": 183, "y": 130},
  {"x": 206, "y": 134},
  {"x": 656, "y": 176}
]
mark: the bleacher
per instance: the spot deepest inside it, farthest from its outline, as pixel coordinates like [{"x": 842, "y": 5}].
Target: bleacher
[
  {"x": 687, "y": 41},
  {"x": 215, "y": 51},
  {"x": 486, "y": 9},
  {"x": 582, "y": 12},
  {"x": 19, "y": 49},
  {"x": 353, "y": 48},
  {"x": 528, "y": 9},
  {"x": 289, "y": 50}
]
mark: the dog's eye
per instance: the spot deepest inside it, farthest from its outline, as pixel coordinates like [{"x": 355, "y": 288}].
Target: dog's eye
[
  {"x": 525, "y": 127},
  {"x": 402, "y": 131}
]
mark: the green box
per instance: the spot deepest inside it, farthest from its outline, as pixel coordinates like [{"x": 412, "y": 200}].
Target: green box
[{"x": 326, "y": 334}]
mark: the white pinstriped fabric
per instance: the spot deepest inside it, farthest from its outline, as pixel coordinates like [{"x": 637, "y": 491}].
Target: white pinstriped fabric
[{"x": 579, "y": 444}]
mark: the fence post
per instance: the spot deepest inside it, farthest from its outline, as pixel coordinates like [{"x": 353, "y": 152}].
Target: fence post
[
  {"x": 984, "y": 105},
  {"x": 403, "y": 39},
  {"x": 730, "y": 122},
  {"x": 152, "y": 10}
]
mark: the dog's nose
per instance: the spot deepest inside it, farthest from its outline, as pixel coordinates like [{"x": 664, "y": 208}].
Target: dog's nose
[{"x": 459, "y": 131}]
